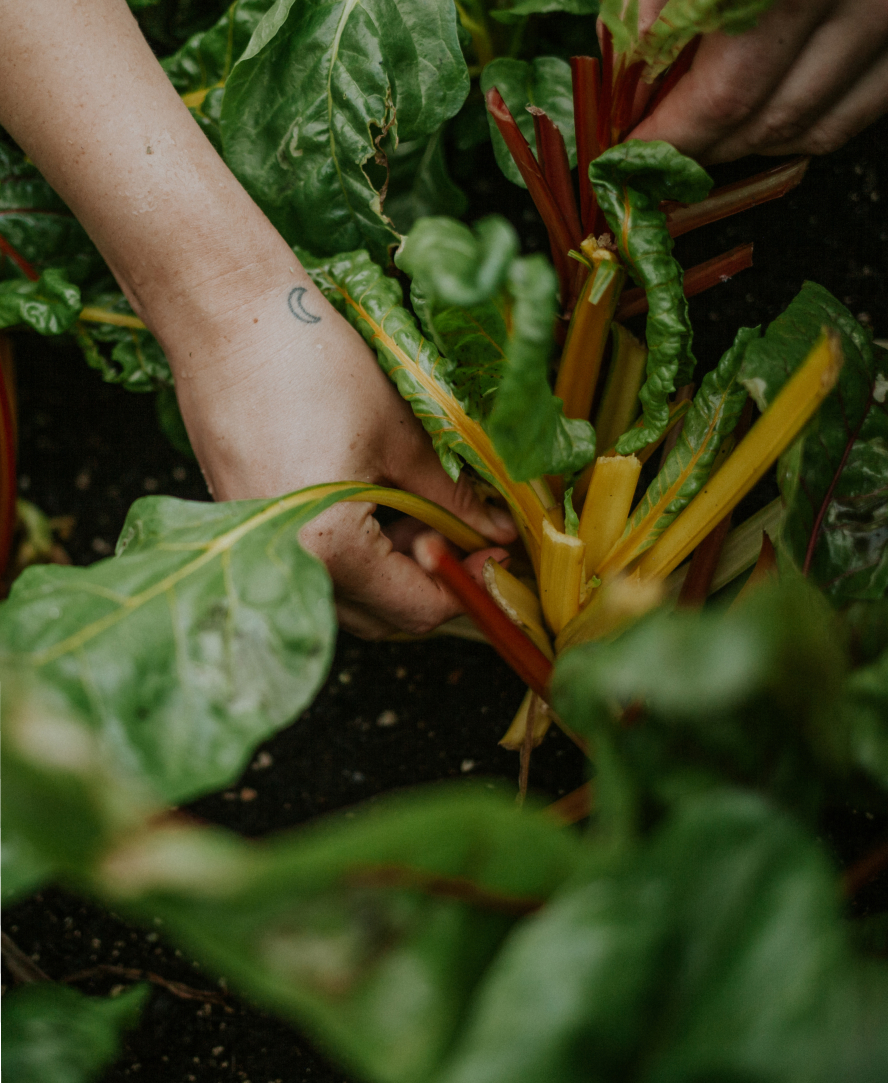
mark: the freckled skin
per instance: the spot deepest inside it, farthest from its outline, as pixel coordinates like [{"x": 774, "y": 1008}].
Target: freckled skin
[{"x": 276, "y": 396}]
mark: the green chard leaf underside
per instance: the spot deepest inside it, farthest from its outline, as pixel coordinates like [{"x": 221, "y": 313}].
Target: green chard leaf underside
[
  {"x": 419, "y": 184},
  {"x": 372, "y": 303},
  {"x": 372, "y": 931},
  {"x": 209, "y": 630},
  {"x": 544, "y": 82},
  {"x": 835, "y": 479},
  {"x": 527, "y": 422},
  {"x": 53, "y": 1034},
  {"x": 677, "y": 23},
  {"x": 50, "y": 305},
  {"x": 713, "y": 414},
  {"x": 322, "y": 88},
  {"x": 715, "y": 952},
  {"x": 630, "y": 180},
  {"x": 492, "y": 314}
]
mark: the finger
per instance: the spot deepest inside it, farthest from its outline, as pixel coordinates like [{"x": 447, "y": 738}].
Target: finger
[
  {"x": 419, "y": 470},
  {"x": 730, "y": 78},
  {"x": 837, "y": 87},
  {"x": 378, "y": 589}
]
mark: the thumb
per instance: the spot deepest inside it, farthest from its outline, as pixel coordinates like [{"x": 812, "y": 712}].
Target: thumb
[{"x": 424, "y": 475}]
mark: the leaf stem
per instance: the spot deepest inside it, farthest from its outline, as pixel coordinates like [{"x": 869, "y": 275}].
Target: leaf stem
[
  {"x": 561, "y": 576},
  {"x": 586, "y": 82},
  {"x": 508, "y": 641},
  {"x": 607, "y": 505}
]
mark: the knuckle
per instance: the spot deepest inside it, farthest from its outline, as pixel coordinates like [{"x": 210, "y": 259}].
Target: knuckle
[
  {"x": 781, "y": 126},
  {"x": 824, "y": 139},
  {"x": 728, "y": 106}
]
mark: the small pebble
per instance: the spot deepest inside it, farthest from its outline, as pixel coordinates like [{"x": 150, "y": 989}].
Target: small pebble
[
  {"x": 179, "y": 473},
  {"x": 467, "y": 765},
  {"x": 247, "y": 794},
  {"x": 263, "y": 760},
  {"x": 83, "y": 480},
  {"x": 150, "y": 485},
  {"x": 100, "y": 546},
  {"x": 386, "y": 719}
]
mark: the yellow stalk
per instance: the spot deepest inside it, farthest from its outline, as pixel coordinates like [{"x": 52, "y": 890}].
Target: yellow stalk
[
  {"x": 676, "y": 412},
  {"x": 527, "y": 507},
  {"x": 586, "y": 339},
  {"x": 614, "y": 605},
  {"x": 519, "y": 603},
  {"x": 619, "y": 404},
  {"x": 561, "y": 576},
  {"x": 740, "y": 551},
  {"x": 534, "y": 712},
  {"x": 607, "y": 506},
  {"x": 771, "y": 435},
  {"x": 92, "y": 314}
]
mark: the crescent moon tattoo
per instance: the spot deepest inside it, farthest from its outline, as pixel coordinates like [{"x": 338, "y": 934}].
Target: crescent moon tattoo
[{"x": 297, "y": 308}]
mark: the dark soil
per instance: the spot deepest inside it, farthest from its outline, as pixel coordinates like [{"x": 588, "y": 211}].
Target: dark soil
[{"x": 391, "y": 714}]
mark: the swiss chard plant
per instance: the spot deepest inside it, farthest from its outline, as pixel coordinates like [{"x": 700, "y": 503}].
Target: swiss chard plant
[{"x": 693, "y": 930}]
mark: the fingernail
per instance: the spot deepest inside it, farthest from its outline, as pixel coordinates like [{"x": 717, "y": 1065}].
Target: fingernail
[{"x": 500, "y": 519}]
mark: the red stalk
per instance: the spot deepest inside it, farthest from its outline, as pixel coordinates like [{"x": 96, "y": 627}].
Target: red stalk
[
  {"x": 510, "y": 643},
  {"x": 679, "y": 68},
  {"x": 624, "y": 98},
  {"x": 552, "y": 154},
  {"x": 733, "y": 198},
  {"x": 559, "y": 232},
  {"x": 605, "y": 101},
  {"x": 696, "y": 279},
  {"x": 27, "y": 270},
  {"x": 586, "y": 80}
]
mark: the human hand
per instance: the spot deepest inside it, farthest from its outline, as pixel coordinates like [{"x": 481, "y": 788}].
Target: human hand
[
  {"x": 294, "y": 404},
  {"x": 812, "y": 74},
  {"x": 272, "y": 403}
]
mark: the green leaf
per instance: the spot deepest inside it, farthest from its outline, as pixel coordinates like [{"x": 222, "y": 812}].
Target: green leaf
[
  {"x": 135, "y": 360},
  {"x": 323, "y": 87},
  {"x": 372, "y": 302},
  {"x": 713, "y": 414},
  {"x": 864, "y": 713},
  {"x": 50, "y": 305},
  {"x": 169, "y": 418},
  {"x": 455, "y": 265},
  {"x": 522, "y": 8},
  {"x": 715, "y": 953},
  {"x": 678, "y": 22},
  {"x": 527, "y": 422},
  {"x": 835, "y": 479},
  {"x": 492, "y": 315},
  {"x": 370, "y": 929},
  {"x": 38, "y": 225},
  {"x": 65, "y": 799},
  {"x": 207, "y": 57},
  {"x": 210, "y": 629},
  {"x": 630, "y": 180},
  {"x": 544, "y": 82},
  {"x": 53, "y": 1034},
  {"x": 749, "y": 696},
  {"x": 419, "y": 184}
]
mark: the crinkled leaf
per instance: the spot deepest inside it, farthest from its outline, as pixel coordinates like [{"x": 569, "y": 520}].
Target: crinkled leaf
[
  {"x": 135, "y": 359},
  {"x": 321, "y": 86},
  {"x": 209, "y": 630},
  {"x": 522, "y": 8},
  {"x": 38, "y": 225},
  {"x": 865, "y": 713},
  {"x": 471, "y": 288},
  {"x": 455, "y": 265},
  {"x": 419, "y": 184},
  {"x": 677, "y": 23},
  {"x": 715, "y": 953},
  {"x": 207, "y": 57},
  {"x": 372, "y": 302},
  {"x": 527, "y": 422},
  {"x": 713, "y": 414},
  {"x": 371, "y": 931},
  {"x": 53, "y": 1034},
  {"x": 835, "y": 480},
  {"x": 50, "y": 305},
  {"x": 544, "y": 82},
  {"x": 630, "y": 180}
]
